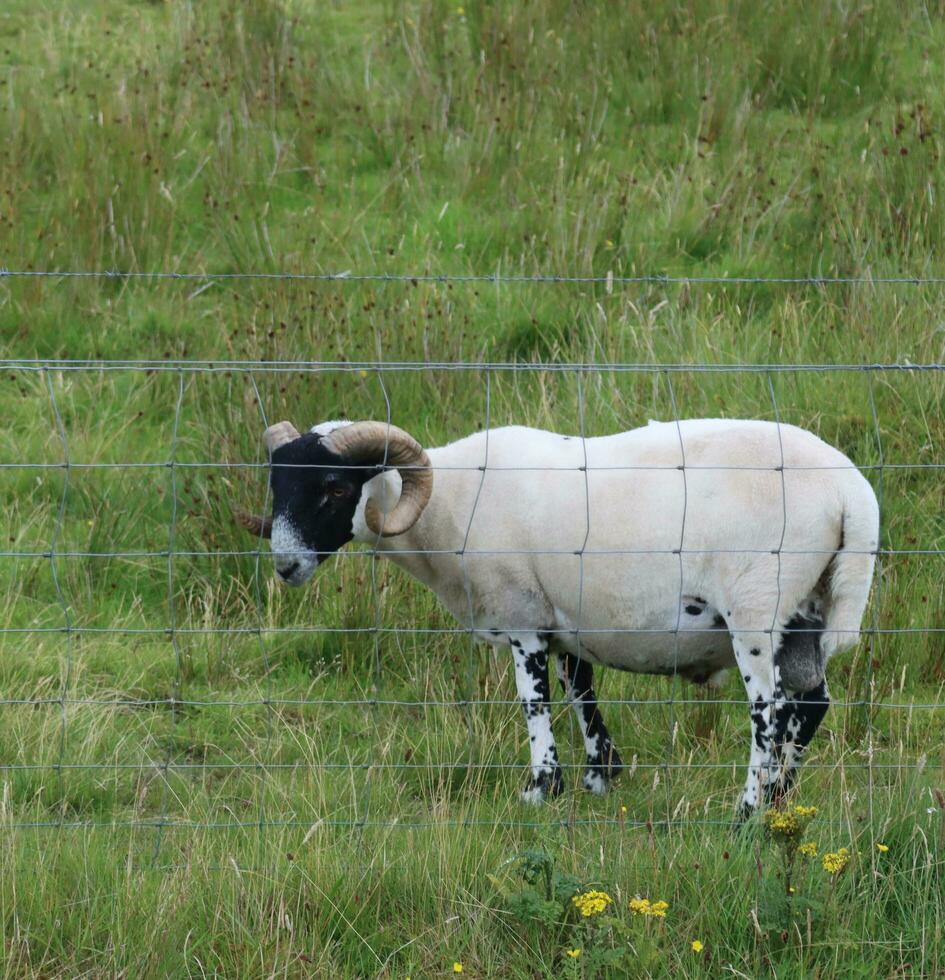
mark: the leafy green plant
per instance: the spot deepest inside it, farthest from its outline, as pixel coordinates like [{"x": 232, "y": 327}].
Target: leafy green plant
[
  {"x": 589, "y": 930},
  {"x": 798, "y": 901}
]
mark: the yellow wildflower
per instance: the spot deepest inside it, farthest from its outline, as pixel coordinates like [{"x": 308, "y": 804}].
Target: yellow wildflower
[
  {"x": 362, "y": 373},
  {"x": 697, "y": 946},
  {"x": 646, "y": 908},
  {"x": 835, "y": 861},
  {"x": 882, "y": 848},
  {"x": 573, "y": 953},
  {"x": 782, "y": 823},
  {"x": 787, "y": 826},
  {"x": 457, "y": 967},
  {"x": 591, "y": 903},
  {"x": 809, "y": 849}
]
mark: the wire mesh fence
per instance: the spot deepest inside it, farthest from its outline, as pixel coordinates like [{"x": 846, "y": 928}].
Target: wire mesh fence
[{"x": 121, "y": 550}]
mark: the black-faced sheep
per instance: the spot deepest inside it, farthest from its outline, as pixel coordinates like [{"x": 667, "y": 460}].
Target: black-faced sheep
[{"x": 682, "y": 548}]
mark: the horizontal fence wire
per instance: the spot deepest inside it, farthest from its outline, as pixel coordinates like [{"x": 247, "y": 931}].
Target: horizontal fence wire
[
  {"x": 485, "y": 277},
  {"x": 327, "y": 822},
  {"x": 424, "y": 631},
  {"x": 406, "y": 703},
  {"x": 172, "y": 552},
  {"x": 437, "y": 764},
  {"x": 249, "y": 367},
  {"x": 477, "y": 551}
]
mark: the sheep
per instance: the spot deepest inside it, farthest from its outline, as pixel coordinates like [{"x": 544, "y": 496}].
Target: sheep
[{"x": 682, "y": 547}]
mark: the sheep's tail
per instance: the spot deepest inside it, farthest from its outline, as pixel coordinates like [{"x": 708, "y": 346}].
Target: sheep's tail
[{"x": 851, "y": 568}]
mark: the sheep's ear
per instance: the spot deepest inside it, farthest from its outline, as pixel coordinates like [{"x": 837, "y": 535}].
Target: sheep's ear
[
  {"x": 279, "y": 434},
  {"x": 256, "y": 525}
]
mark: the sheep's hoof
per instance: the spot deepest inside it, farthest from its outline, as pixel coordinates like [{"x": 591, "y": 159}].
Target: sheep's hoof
[
  {"x": 547, "y": 784},
  {"x": 613, "y": 763},
  {"x": 776, "y": 792},
  {"x": 595, "y": 781},
  {"x": 743, "y": 821},
  {"x": 603, "y": 770}
]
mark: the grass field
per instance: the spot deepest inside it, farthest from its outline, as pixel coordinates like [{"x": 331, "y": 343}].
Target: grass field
[{"x": 223, "y": 801}]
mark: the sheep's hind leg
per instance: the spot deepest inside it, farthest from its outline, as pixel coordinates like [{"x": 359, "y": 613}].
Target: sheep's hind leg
[
  {"x": 797, "y": 720},
  {"x": 782, "y": 723},
  {"x": 755, "y": 655},
  {"x": 530, "y": 654},
  {"x": 801, "y": 663},
  {"x": 603, "y": 761}
]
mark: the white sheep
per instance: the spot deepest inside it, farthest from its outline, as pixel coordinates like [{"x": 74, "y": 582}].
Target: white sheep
[{"x": 673, "y": 548}]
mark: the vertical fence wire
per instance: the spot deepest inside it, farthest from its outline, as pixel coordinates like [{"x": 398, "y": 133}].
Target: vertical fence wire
[
  {"x": 873, "y": 647},
  {"x": 470, "y": 668},
  {"x": 774, "y": 630},
  {"x": 376, "y": 671},
  {"x": 60, "y": 594},
  {"x": 171, "y": 625},
  {"x": 260, "y": 612},
  {"x": 779, "y": 619},
  {"x": 674, "y": 679},
  {"x": 582, "y": 428}
]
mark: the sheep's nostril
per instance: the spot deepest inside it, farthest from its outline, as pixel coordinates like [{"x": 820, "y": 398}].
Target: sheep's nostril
[{"x": 288, "y": 571}]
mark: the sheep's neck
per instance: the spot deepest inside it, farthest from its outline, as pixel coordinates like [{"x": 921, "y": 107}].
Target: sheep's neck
[{"x": 408, "y": 549}]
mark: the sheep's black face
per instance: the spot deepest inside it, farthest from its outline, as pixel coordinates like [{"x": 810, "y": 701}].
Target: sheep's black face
[{"x": 314, "y": 499}]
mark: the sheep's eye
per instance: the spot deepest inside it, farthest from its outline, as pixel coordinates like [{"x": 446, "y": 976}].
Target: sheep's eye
[{"x": 337, "y": 492}]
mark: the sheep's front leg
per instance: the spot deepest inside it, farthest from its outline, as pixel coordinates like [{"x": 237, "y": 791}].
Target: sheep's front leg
[
  {"x": 603, "y": 762},
  {"x": 530, "y": 653}
]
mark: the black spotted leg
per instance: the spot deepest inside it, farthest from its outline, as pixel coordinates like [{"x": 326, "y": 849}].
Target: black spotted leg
[
  {"x": 603, "y": 762},
  {"x": 782, "y": 723},
  {"x": 530, "y": 654},
  {"x": 798, "y": 719}
]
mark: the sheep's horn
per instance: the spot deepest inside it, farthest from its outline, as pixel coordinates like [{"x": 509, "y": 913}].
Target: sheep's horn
[
  {"x": 380, "y": 443},
  {"x": 256, "y": 525},
  {"x": 279, "y": 434}
]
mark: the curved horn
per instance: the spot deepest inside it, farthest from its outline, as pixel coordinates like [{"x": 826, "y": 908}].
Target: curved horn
[
  {"x": 279, "y": 434},
  {"x": 259, "y": 526},
  {"x": 378, "y": 442}
]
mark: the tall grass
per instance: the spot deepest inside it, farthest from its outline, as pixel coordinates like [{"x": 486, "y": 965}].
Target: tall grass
[{"x": 344, "y": 839}]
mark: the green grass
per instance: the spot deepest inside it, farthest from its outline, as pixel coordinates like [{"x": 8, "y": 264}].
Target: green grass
[{"x": 568, "y": 138}]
